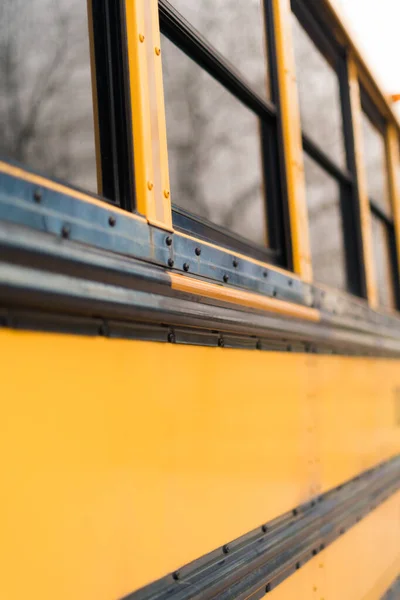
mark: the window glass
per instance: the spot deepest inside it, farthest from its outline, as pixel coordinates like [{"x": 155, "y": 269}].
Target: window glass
[
  {"x": 326, "y": 228},
  {"x": 319, "y": 96},
  {"x": 383, "y": 262},
  {"x": 46, "y": 108},
  {"x": 376, "y": 165},
  {"x": 213, "y": 149},
  {"x": 236, "y": 29}
]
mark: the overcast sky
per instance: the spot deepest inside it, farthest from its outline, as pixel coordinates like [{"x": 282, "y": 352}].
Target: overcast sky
[{"x": 376, "y": 28}]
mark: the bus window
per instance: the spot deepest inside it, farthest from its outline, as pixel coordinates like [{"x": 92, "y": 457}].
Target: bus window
[
  {"x": 326, "y": 227},
  {"x": 319, "y": 95},
  {"x": 46, "y": 108},
  {"x": 376, "y": 165},
  {"x": 236, "y": 29},
  {"x": 330, "y": 183},
  {"x": 383, "y": 232},
  {"x": 227, "y": 184},
  {"x": 213, "y": 149},
  {"x": 383, "y": 247}
]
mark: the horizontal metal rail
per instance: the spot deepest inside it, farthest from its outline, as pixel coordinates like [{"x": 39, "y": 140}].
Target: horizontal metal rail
[{"x": 257, "y": 562}]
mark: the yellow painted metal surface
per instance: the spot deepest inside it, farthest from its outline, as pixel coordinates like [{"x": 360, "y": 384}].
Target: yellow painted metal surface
[
  {"x": 292, "y": 140},
  {"x": 360, "y": 565},
  {"x": 148, "y": 116},
  {"x": 365, "y": 217},
  {"x": 123, "y": 460},
  {"x": 232, "y": 295}
]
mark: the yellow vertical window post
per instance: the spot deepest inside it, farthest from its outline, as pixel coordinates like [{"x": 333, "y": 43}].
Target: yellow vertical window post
[
  {"x": 292, "y": 140},
  {"x": 148, "y": 112},
  {"x": 393, "y": 156},
  {"x": 363, "y": 200}
]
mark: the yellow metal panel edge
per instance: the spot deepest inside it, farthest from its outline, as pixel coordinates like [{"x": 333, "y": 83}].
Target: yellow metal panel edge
[
  {"x": 61, "y": 189},
  {"x": 234, "y": 296},
  {"x": 161, "y": 134},
  {"x": 365, "y": 216},
  {"x": 393, "y": 157},
  {"x": 292, "y": 140},
  {"x": 140, "y": 106}
]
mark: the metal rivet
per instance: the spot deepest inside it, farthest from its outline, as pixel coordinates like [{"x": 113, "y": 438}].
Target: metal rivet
[
  {"x": 264, "y": 528},
  {"x": 235, "y": 263},
  {"x": 171, "y": 338},
  {"x": 112, "y": 221},
  {"x": 314, "y": 552},
  {"x": 150, "y": 185},
  {"x": 221, "y": 342},
  {"x": 176, "y": 575},
  {"x": 168, "y": 241},
  {"x": 37, "y": 195},
  {"x": 267, "y": 588},
  {"x": 298, "y": 565},
  {"x": 186, "y": 267},
  {"x": 141, "y": 37},
  {"x": 170, "y": 262},
  {"x": 290, "y": 282},
  {"x": 295, "y": 512},
  {"x": 166, "y": 193},
  {"x": 65, "y": 231},
  {"x": 197, "y": 251},
  {"x": 259, "y": 345},
  {"x": 225, "y": 549},
  {"x": 265, "y": 274},
  {"x": 157, "y": 50},
  {"x": 226, "y": 278}
]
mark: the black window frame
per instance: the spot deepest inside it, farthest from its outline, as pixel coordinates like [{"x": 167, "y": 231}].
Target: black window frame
[
  {"x": 379, "y": 122},
  {"x": 308, "y": 13},
  {"x": 183, "y": 35},
  {"x": 112, "y": 96}
]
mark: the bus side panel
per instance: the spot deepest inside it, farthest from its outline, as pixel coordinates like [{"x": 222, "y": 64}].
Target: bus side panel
[{"x": 123, "y": 460}]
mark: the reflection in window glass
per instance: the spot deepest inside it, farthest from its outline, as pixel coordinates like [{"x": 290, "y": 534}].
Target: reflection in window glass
[
  {"x": 326, "y": 228},
  {"x": 46, "y": 110},
  {"x": 213, "y": 149},
  {"x": 236, "y": 29},
  {"x": 319, "y": 96},
  {"x": 383, "y": 263},
  {"x": 375, "y": 165}
]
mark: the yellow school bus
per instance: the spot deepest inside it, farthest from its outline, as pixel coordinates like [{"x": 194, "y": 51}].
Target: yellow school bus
[{"x": 199, "y": 304}]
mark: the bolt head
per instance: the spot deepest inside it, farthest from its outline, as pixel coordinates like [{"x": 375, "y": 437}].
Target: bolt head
[
  {"x": 197, "y": 251},
  {"x": 65, "y": 232},
  {"x": 37, "y": 195},
  {"x": 170, "y": 262},
  {"x": 226, "y": 278},
  {"x": 186, "y": 267},
  {"x": 111, "y": 221}
]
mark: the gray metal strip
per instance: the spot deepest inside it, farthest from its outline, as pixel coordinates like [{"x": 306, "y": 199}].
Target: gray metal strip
[{"x": 253, "y": 565}]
